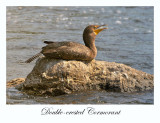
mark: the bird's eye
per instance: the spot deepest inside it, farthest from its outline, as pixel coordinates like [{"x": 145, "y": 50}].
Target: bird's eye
[{"x": 95, "y": 26}]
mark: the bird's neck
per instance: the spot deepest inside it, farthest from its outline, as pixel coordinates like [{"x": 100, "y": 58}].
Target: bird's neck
[
  {"x": 90, "y": 43},
  {"x": 92, "y": 46}
]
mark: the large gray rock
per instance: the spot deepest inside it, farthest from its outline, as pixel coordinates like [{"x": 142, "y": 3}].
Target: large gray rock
[{"x": 57, "y": 77}]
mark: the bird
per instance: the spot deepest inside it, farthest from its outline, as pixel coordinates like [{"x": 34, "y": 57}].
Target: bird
[{"x": 72, "y": 50}]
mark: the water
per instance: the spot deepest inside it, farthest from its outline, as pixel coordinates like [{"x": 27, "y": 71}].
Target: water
[
  {"x": 129, "y": 40},
  {"x": 87, "y": 97}
]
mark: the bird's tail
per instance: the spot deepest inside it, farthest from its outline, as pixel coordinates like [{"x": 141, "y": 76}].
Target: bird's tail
[{"x": 33, "y": 58}]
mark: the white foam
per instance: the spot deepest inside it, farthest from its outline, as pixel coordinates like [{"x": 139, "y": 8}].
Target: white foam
[
  {"x": 19, "y": 7},
  {"x": 136, "y": 29},
  {"x": 65, "y": 8},
  {"x": 41, "y": 15},
  {"x": 91, "y": 10},
  {"x": 84, "y": 12},
  {"x": 102, "y": 9},
  {"x": 125, "y": 18},
  {"x": 51, "y": 7},
  {"x": 118, "y": 22},
  {"x": 32, "y": 21},
  {"x": 118, "y": 11},
  {"x": 85, "y": 17},
  {"x": 65, "y": 18},
  {"x": 149, "y": 31}
]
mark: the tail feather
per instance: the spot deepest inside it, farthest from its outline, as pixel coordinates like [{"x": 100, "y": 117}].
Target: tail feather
[
  {"x": 33, "y": 58},
  {"x": 48, "y": 42}
]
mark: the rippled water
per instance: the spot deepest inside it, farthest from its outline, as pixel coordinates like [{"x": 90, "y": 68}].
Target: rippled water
[
  {"x": 87, "y": 97},
  {"x": 129, "y": 40}
]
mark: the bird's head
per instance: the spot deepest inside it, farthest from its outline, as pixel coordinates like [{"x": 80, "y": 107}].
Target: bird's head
[
  {"x": 94, "y": 29},
  {"x": 91, "y": 31}
]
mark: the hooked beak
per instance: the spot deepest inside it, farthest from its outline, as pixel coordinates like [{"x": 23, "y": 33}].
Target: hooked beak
[{"x": 100, "y": 28}]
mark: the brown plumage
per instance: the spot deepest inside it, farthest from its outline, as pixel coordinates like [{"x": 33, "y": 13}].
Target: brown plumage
[{"x": 72, "y": 50}]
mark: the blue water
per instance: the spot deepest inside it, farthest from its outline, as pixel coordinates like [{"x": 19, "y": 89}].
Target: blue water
[{"x": 129, "y": 40}]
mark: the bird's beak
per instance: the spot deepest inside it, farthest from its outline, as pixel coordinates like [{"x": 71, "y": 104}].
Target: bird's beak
[{"x": 100, "y": 28}]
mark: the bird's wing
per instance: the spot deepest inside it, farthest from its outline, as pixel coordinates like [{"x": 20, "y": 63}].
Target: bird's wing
[{"x": 60, "y": 46}]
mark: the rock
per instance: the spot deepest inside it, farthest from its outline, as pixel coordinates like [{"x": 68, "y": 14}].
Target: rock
[
  {"x": 57, "y": 77},
  {"x": 15, "y": 82}
]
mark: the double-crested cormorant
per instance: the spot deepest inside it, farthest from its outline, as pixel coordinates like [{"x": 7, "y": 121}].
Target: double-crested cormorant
[{"x": 73, "y": 50}]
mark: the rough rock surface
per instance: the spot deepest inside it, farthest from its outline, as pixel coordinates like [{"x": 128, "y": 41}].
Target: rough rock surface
[
  {"x": 15, "y": 82},
  {"x": 57, "y": 77}
]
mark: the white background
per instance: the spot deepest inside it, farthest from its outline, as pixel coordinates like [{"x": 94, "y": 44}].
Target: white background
[{"x": 32, "y": 113}]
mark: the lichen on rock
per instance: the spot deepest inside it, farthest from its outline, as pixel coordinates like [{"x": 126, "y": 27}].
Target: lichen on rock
[
  {"x": 57, "y": 77},
  {"x": 15, "y": 82}
]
